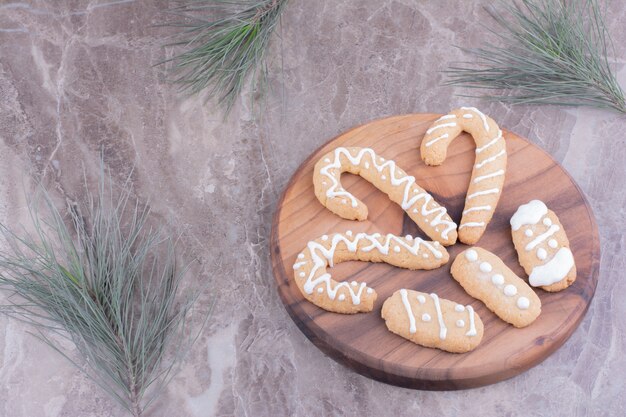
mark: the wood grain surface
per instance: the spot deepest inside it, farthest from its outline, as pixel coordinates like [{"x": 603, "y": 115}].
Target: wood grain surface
[{"x": 362, "y": 341}]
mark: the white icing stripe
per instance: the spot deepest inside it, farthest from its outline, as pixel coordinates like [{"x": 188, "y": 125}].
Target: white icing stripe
[
  {"x": 442, "y": 326},
  {"x": 322, "y": 256},
  {"x": 432, "y": 129},
  {"x": 407, "y": 180},
  {"x": 298, "y": 265},
  {"x": 529, "y": 213},
  {"x": 481, "y": 114},
  {"x": 409, "y": 312},
  {"x": 468, "y": 116},
  {"x": 446, "y": 117},
  {"x": 437, "y": 139},
  {"x": 477, "y": 208},
  {"x": 491, "y": 159},
  {"x": 472, "y": 329},
  {"x": 554, "y": 270},
  {"x": 479, "y": 193},
  {"x": 487, "y": 176},
  {"x": 494, "y": 140},
  {"x": 471, "y": 224},
  {"x": 551, "y": 230}
]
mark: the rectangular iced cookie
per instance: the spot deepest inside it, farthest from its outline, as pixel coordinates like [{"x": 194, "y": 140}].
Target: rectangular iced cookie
[
  {"x": 427, "y": 320},
  {"x": 485, "y": 277},
  {"x": 542, "y": 247}
]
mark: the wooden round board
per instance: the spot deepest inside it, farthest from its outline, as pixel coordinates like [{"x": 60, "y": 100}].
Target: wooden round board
[{"x": 362, "y": 341}]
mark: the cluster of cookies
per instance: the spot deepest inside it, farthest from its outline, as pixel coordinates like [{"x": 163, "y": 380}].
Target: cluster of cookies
[{"x": 425, "y": 319}]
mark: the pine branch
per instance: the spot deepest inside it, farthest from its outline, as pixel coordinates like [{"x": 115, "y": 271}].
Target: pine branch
[
  {"x": 224, "y": 44},
  {"x": 551, "y": 52},
  {"x": 108, "y": 283}
]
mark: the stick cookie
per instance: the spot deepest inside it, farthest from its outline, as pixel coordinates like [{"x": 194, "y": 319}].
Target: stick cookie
[
  {"x": 401, "y": 188},
  {"x": 431, "y": 321},
  {"x": 542, "y": 247},
  {"x": 317, "y": 285},
  {"x": 485, "y": 277},
  {"x": 488, "y": 173}
]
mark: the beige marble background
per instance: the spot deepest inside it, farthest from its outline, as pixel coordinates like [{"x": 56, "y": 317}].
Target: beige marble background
[{"x": 77, "y": 76}]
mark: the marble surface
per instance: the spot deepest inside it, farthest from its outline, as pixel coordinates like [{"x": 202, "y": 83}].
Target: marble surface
[{"x": 77, "y": 77}]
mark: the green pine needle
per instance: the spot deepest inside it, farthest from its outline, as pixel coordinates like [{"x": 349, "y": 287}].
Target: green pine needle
[
  {"x": 551, "y": 52},
  {"x": 224, "y": 44},
  {"x": 105, "y": 280}
]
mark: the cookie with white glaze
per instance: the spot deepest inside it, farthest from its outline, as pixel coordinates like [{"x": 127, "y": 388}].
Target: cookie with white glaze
[
  {"x": 427, "y": 320},
  {"x": 542, "y": 247},
  {"x": 385, "y": 175},
  {"x": 317, "y": 285},
  {"x": 487, "y": 177},
  {"x": 485, "y": 277}
]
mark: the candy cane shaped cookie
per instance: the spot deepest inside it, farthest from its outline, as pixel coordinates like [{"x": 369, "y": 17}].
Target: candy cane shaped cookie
[
  {"x": 401, "y": 188},
  {"x": 431, "y": 321},
  {"x": 488, "y": 173},
  {"x": 317, "y": 285}
]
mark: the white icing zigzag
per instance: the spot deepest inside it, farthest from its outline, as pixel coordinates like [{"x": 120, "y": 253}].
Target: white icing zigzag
[
  {"x": 322, "y": 257},
  {"x": 408, "y": 181}
]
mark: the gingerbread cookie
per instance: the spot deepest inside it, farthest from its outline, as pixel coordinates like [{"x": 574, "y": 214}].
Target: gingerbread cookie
[
  {"x": 485, "y": 277},
  {"x": 317, "y": 285},
  {"x": 431, "y": 321},
  {"x": 542, "y": 247},
  {"x": 401, "y": 188},
  {"x": 487, "y": 177}
]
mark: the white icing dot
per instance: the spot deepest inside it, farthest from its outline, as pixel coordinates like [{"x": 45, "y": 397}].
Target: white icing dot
[
  {"x": 460, "y": 323},
  {"x": 367, "y": 165},
  {"x": 342, "y": 297},
  {"x": 425, "y": 255},
  {"x": 382, "y": 159},
  {"x": 542, "y": 253},
  {"x": 421, "y": 299},
  {"x": 302, "y": 274},
  {"x": 344, "y": 201},
  {"x": 349, "y": 233},
  {"x": 408, "y": 237},
  {"x": 528, "y": 232},
  {"x": 553, "y": 243},
  {"x": 425, "y": 317},
  {"x": 382, "y": 177},
  {"x": 497, "y": 279},
  {"x": 547, "y": 222},
  {"x": 415, "y": 210},
  {"x": 459, "y": 308},
  {"x": 353, "y": 283},
  {"x": 396, "y": 249},
  {"x": 523, "y": 303},
  {"x": 369, "y": 290},
  {"x": 301, "y": 256},
  {"x": 436, "y": 243},
  {"x": 327, "y": 160},
  {"x": 485, "y": 267},
  {"x": 320, "y": 290},
  {"x": 325, "y": 237},
  {"x": 324, "y": 183},
  {"x": 471, "y": 255},
  {"x": 510, "y": 290}
]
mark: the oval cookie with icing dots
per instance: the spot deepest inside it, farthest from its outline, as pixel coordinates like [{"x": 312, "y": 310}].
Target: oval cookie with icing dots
[
  {"x": 401, "y": 188},
  {"x": 485, "y": 277},
  {"x": 317, "y": 285},
  {"x": 431, "y": 321},
  {"x": 489, "y": 168},
  {"x": 542, "y": 247}
]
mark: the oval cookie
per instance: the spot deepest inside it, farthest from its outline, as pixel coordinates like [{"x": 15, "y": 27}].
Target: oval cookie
[
  {"x": 431, "y": 321},
  {"x": 485, "y": 277},
  {"x": 317, "y": 285},
  {"x": 487, "y": 177},
  {"x": 542, "y": 247},
  {"x": 385, "y": 175}
]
